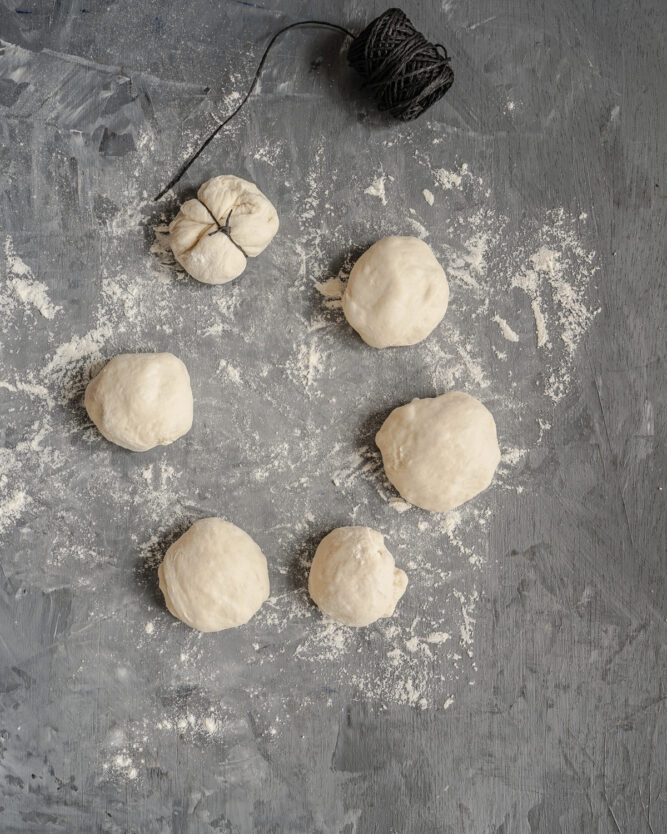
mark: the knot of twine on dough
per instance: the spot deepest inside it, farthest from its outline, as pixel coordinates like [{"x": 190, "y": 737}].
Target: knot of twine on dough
[
  {"x": 404, "y": 71},
  {"x": 226, "y": 230}
]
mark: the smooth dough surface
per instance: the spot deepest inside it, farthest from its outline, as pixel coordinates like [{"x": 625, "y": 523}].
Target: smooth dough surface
[
  {"x": 208, "y": 254},
  {"x": 439, "y": 452},
  {"x": 397, "y": 293},
  {"x": 353, "y": 578},
  {"x": 141, "y": 400},
  {"x": 214, "y": 577}
]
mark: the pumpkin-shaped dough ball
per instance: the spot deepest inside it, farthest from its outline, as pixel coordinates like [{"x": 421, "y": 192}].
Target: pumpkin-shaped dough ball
[
  {"x": 141, "y": 400},
  {"x": 397, "y": 293},
  {"x": 212, "y": 236},
  {"x": 214, "y": 577},
  {"x": 441, "y": 451},
  {"x": 353, "y": 578}
]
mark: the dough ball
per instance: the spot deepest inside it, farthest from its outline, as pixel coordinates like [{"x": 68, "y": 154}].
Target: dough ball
[
  {"x": 141, "y": 400},
  {"x": 353, "y": 578},
  {"x": 397, "y": 293},
  {"x": 214, "y": 576},
  {"x": 207, "y": 253},
  {"x": 439, "y": 452}
]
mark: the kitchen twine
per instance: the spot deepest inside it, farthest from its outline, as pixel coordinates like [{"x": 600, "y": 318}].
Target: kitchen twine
[
  {"x": 404, "y": 72},
  {"x": 226, "y": 229}
]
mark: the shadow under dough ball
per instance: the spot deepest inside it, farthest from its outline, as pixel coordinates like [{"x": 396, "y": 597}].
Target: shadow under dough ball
[
  {"x": 441, "y": 451},
  {"x": 141, "y": 400},
  {"x": 353, "y": 578},
  {"x": 229, "y": 221},
  {"x": 214, "y": 576},
  {"x": 397, "y": 293}
]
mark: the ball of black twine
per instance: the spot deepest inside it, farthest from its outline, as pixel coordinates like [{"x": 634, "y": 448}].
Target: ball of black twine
[{"x": 404, "y": 72}]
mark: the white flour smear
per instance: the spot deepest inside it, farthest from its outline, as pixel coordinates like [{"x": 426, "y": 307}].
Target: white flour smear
[
  {"x": 505, "y": 329},
  {"x": 29, "y": 291},
  {"x": 377, "y": 189},
  {"x": 11, "y": 508},
  {"x": 35, "y": 293},
  {"x": 448, "y": 179},
  {"x": 507, "y": 283},
  {"x": 289, "y": 403}
]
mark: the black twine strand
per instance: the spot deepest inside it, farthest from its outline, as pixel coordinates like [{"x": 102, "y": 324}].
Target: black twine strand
[
  {"x": 245, "y": 98},
  {"x": 405, "y": 72},
  {"x": 226, "y": 229}
]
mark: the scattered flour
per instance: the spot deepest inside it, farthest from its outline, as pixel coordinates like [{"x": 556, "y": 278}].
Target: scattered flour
[
  {"x": 15, "y": 264},
  {"x": 11, "y": 508},
  {"x": 438, "y": 637},
  {"x": 399, "y": 505},
  {"x": 544, "y": 427},
  {"x": 418, "y": 228},
  {"x": 512, "y": 456},
  {"x": 467, "y": 607},
  {"x": 35, "y": 293},
  {"x": 527, "y": 281},
  {"x": 323, "y": 457},
  {"x": 505, "y": 329},
  {"x": 232, "y": 373},
  {"x": 469, "y": 263},
  {"x": 545, "y": 259},
  {"x": 377, "y": 189},
  {"x": 331, "y": 288},
  {"x": 308, "y": 365},
  {"x": 210, "y": 724},
  {"x": 30, "y": 388},
  {"x": 448, "y": 179},
  {"x": 540, "y": 324},
  {"x": 78, "y": 347},
  {"x": 80, "y": 355},
  {"x": 322, "y": 454},
  {"x": 26, "y": 288}
]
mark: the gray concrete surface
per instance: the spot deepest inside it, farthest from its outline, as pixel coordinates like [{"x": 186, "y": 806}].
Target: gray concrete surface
[{"x": 520, "y": 686}]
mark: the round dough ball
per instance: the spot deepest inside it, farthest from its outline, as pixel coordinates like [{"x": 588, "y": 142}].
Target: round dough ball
[
  {"x": 397, "y": 293},
  {"x": 214, "y": 576},
  {"x": 141, "y": 400},
  {"x": 353, "y": 578},
  {"x": 441, "y": 451},
  {"x": 207, "y": 253}
]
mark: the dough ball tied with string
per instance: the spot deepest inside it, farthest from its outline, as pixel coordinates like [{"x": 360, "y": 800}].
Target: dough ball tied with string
[{"x": 229, "y": 221}]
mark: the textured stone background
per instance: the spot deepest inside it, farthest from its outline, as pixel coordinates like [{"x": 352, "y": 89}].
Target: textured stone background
[{"x": 114, "y": 717}]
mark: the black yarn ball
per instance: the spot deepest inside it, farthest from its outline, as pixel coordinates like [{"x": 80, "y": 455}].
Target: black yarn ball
[{"x": 405, "y": 73}]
